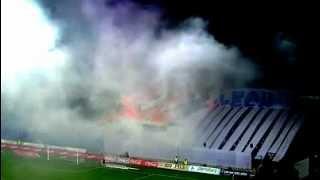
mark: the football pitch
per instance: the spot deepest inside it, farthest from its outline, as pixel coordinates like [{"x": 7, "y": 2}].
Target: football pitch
[{"x": 14, "y": 167}]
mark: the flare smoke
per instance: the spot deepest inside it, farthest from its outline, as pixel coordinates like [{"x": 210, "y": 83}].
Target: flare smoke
[{"x": 67, "y": 64}]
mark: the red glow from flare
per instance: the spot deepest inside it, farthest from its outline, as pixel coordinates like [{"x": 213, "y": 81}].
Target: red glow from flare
[
  {"x": 132, "y": 111},
  {"x": 129, "y": 108}
]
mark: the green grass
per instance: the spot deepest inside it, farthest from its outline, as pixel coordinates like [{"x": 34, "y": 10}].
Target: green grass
[{"x": 15, "y": 167}]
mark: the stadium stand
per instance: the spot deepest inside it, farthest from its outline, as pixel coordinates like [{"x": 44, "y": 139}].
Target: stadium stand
[
  {"x": 272, "y": 135},
  {"x": 240, "y": 129},
  {"x": 285, "y": 145},
  {"x": 215, "y": 133},
  {"x": 260, "y": 131},
  {"x": 257, "y": 129},
  {"x": 249, "y": 132},
  {"x": 275, "y": 147},
  {"x": 227, "y": 128}
]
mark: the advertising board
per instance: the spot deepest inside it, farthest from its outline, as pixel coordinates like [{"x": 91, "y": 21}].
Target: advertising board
[
  {"x": 202, "y": 169},
  {"x": 137, "y": 162},
  {"x": 179, "y": 167},
  {"x": 141, "y": 162},
  {"x": 150, "y": 163},
  {"x": 122, "y": 160},
  {"x": 166, "y": 165},
  {"x": 227, "y": 172},
  {"x": 92, "y": 156},
  {"x": 110, "y": 159},
  {"x": 33, "y": 145},
  {"x": 8, "y": 141}
]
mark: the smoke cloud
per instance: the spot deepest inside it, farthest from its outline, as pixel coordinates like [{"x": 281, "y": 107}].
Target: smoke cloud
[
  {"x": 68, "y": 64},
  {"x": 286, "y": 48}
]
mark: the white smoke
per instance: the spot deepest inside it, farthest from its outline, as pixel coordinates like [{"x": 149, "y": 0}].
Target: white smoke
[{"x": 67, "y": 64}]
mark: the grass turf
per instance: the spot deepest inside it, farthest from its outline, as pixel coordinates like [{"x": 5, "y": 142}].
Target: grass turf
[{"x": 15, "y": 167}]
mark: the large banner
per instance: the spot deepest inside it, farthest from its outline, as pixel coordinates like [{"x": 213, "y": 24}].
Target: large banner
[{"x": 254, "y": 98}]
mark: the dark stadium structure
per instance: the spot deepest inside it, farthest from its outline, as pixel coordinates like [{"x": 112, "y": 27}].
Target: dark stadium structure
[
  {"x": 237, "y": 129},
  {"x": 248, "y": 125},
  {"x": 253, "y": 126}
]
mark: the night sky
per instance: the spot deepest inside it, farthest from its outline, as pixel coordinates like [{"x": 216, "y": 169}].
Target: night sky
[
  {"x": 262, "y": 32},
  {"x": 258, "y": 31}
]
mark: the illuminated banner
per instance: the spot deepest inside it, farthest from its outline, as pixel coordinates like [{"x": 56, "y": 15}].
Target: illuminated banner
[
  {"x": 206, "y": 170},
  {"x": 254, "y": 98}
]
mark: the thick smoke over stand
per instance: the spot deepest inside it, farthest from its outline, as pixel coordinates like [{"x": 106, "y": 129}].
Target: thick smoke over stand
[{"x": 100, "y": 52}]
